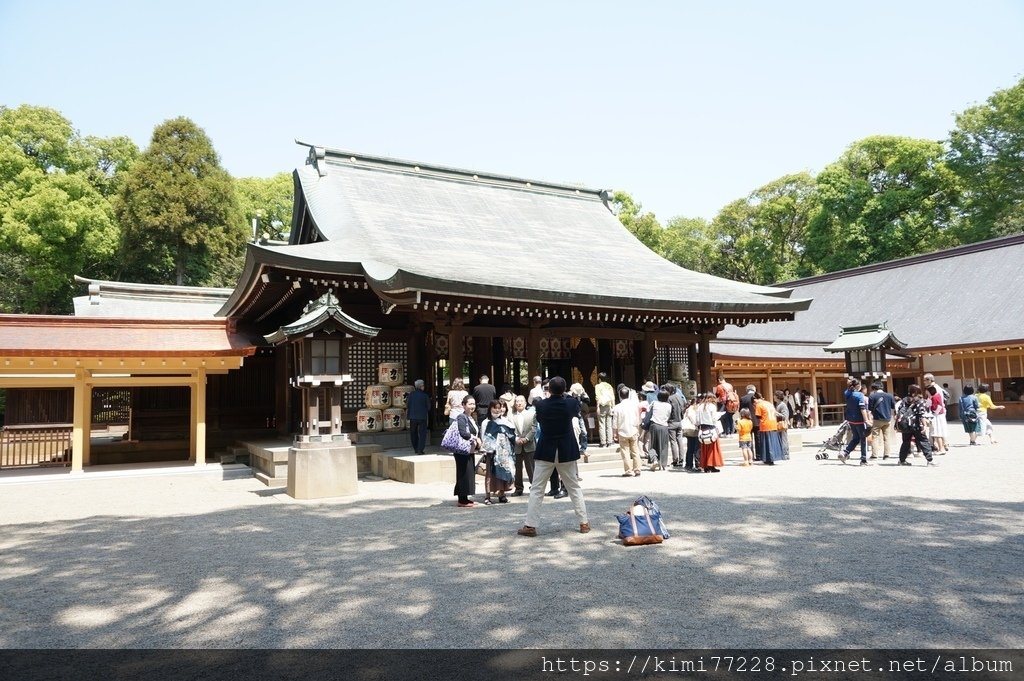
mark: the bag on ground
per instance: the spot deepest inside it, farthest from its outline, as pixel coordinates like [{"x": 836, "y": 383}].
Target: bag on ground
[{"x": 642, "y": 523}]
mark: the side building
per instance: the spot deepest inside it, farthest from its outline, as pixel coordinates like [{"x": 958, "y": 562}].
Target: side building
[{"x": 959, "y": 311}]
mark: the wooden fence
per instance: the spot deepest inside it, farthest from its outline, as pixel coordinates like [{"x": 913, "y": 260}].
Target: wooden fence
[{"x": 35, "y": 445}]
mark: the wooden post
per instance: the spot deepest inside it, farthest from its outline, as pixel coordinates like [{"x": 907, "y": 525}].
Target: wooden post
[
  {"x": 647, "y": 355},
  {"x": 335, "y": 396},
  {"x": 455, "y": 356},
  {"x": 80, "y": 423},
  {"x": 704, "y": 357},
  {"x": 197, "y": 435},
  {"x": 313, "y": 413},
  {"x": 533, "y": 353},
  {"x": 770, "y": 395}
]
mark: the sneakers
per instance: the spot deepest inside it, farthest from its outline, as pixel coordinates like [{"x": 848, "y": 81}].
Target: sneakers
[
  {"x": 487, "y": 501},
  {"x": 843, "y": 457},
  {"x": 584, "y": 528},
  {"x": 502, "y": 500},
  {"x": 903, "y": 463},
  {"x": 636, "y": 474},
  {"x": 527, "y": 531},
  {"x": 865, "y": 462},
  {"x": 933, "y": 463}
]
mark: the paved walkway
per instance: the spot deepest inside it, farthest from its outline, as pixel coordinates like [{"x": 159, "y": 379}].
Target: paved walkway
[{"x": 806, "y": 554}]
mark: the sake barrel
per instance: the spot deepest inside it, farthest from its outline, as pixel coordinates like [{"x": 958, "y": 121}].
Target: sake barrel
[
  {"x": 369, "y": 421},
  {"x": 394, "y": 419},
  {"x": 378, "y": 396},
  {"x": 400, "y": 395},
  {"x": 390, "y": 373}
]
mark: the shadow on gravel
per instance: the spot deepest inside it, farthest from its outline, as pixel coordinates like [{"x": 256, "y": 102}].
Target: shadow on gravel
[{"x": 417, "y": 573}]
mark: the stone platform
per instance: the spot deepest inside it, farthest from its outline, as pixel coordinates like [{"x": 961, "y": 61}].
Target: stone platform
[{"x": 399, "y": 462}]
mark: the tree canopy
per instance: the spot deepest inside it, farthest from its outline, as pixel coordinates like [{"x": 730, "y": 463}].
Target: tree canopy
[
  {"x": 987, "y": 155},
  {"x": 55, "y": 215},
  {"x": 179, "y": 209},
  {"x": 73, "y": 204},
  {"x": 885, "y": 198}
]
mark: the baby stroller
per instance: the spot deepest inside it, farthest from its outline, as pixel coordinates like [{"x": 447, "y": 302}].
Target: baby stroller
[{"x": 835, "y": 443}]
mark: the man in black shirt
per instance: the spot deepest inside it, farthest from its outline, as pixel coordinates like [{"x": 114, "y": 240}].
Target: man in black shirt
[{"x": 484, "y": 394}]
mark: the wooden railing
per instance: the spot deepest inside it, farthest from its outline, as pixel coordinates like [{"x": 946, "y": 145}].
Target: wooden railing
[{"x": 46, "y": 444}]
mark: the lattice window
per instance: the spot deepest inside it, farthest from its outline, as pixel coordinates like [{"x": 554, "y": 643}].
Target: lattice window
[
  {"x": 672, "y": 356},
  {"x": 363, "y": 358}
]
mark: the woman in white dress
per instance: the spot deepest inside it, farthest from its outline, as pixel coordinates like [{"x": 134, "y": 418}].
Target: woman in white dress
[
  {"x": 939, "y": 429},
  {"x": 453, "y": 406}
]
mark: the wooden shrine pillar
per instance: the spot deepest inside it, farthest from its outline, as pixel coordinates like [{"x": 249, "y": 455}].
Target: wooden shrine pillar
[
  {"x": 647, "y": 356},
  {"x": 417, "y": 354},
  {"x": 533, "y": 353},
  {"x": 455, "y": 357},
  {"x": 706, "y": 381}
]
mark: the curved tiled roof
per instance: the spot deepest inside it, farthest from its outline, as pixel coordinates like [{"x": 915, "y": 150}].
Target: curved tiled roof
[
  {"x": 416, "y": 228},
  {"x": 959, "y": 297}
]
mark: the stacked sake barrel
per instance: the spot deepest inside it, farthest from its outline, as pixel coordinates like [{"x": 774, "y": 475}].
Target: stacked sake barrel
[{"x": 385, "y": 401}]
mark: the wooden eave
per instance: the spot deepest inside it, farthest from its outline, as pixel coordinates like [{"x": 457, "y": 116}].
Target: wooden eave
[{"x": 43, "y": 336}]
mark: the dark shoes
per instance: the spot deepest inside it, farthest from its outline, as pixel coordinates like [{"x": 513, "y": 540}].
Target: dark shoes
[
  {"x": 502, "y": 500},
  {"x": 561, "y": 494},
  {"x": 527, "y": 531},
  {"x": 517, "y": 493},
  {"x": 903, "y": 463}
]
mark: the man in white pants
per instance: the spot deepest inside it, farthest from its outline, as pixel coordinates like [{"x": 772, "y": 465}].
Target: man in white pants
[{"x": 558, "y": 448}]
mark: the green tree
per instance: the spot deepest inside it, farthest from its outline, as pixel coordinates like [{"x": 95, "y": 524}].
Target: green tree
[
  {"x": 987, "y": 155},
  {"x": 55, "y": 218},
  {"x": 692, "y": 243},
  {"x": 270, "y": 200},
  {"x": 179, "y": 209},
  {"x": 885, "y": 198},
  {"x": 644, "y": 226}
]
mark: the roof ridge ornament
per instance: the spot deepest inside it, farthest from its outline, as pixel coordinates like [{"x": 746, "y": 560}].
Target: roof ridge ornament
[{"x": 317, "y": 158}]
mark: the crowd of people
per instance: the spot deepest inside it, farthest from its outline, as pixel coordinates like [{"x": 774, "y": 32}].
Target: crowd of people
[
  {"x": 876, "y": 417},
  {"x": 538, "y": 438}
]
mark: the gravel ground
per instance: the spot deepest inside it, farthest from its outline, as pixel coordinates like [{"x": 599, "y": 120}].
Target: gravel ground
[{"x": 806, "y": 554}]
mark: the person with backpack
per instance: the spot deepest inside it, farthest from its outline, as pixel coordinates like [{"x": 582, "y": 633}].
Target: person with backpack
[
  {"x": 882, "y": 405},
  {"x": 729, "y": 402},
  {"x": 969, "y": 414},
  {"x": 912, "y": 419}
]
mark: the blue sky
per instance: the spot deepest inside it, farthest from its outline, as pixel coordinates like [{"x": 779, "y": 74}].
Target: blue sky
[{"x": 686, "y": 105}]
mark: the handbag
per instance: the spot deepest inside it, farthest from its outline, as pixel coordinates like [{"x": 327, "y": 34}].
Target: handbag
[
  {"x": 689, "y": 427},
  {"x": 481, "y": 466},
  {"x": 706, "y": 434},
  {"x": 453, "y": 442},
  {"x": 642, "y": 523},
  {"x": 447, "y": 409}
]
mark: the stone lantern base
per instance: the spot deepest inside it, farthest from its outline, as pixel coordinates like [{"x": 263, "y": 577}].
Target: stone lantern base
[{"x": 318, "y": 470}]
